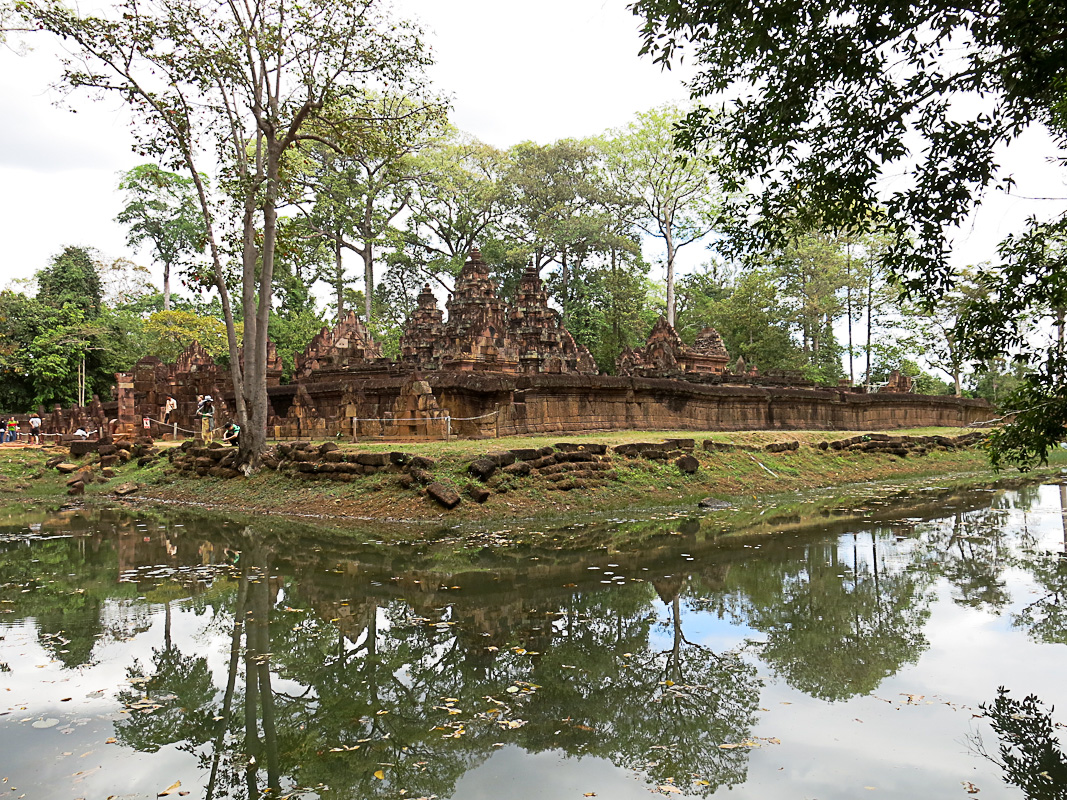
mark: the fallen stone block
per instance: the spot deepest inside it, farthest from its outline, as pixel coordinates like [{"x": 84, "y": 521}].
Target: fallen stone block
[
  {"x": 502, "y": 458},
  {"x": 680, "y": 444},
  {"x": 372, "y": 459},
  {"x": 782, "y": 447},
  {"x": 223, "y": 472},
  {"x": 544, "y": 461},
  {"x": 482, "y": 468},
  {"x": 83, "y": 476},
  {"x": 420, "y": 462},
  {"x": 478, "y": 494},
  {"x": 79, "y": 449},
  {"x": 444, "y": 494},
  {"x": 421, "y": 476},
  {"x": 66, "y": 467},
  {"x": 687, "y": 464},
  {"x": 520, "y": 468}
]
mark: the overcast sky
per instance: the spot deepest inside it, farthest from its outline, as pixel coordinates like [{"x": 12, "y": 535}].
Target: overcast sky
[{"x": 515, "y": 72}]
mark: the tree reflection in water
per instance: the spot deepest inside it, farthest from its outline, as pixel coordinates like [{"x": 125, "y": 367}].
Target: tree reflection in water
[
  {"x": 372, "y": 675},
  {"x": 1028, "y": 751},
  {"x": 836, "y": 618}
]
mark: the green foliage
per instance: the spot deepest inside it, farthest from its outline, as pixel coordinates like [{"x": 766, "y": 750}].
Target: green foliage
[
  {"x": 1030, "y": 752},
  {"x": 168, "y": 333},
  {"x": 827, "y": 99},
  {"x": 354, "y": 193},
  {"x": 668, "y": 194},
  {"x": 997, "y": 380},
  {"x": 42, "y": 347},
  {"x": 746, "y": 311},
  {"x": 162, "y": 209},
  {"x": 292, "y": 332},
  {"x": 71, "y": 278}
]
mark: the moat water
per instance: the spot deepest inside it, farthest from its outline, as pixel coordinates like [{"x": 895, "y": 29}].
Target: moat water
[{"x": 905, "y": 653}]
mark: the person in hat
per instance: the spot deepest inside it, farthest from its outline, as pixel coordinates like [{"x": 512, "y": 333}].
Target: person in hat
[{"x": 206, "y": 412}]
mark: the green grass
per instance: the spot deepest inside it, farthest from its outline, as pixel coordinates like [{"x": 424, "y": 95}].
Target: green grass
[{"x": 739, "y": 476}]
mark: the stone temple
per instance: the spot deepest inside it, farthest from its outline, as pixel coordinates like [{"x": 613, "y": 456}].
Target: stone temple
[{"x": 482, "y": 367}]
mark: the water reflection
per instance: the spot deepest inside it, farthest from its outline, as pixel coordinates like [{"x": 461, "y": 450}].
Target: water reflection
[
  {"x": 1028, "y": 750},
  {"x": 263, "y": 660}
]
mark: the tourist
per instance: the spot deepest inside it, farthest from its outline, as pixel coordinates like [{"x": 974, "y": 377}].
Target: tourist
[
  {"x": 206, "y": 412},
  {"x": 11, "y": 433},
  {"x": 81, "y": 433},
  {"x": 35, "y": 427},
  {"x": 168, "y": 409},
  {"x": 232, "y": 434}
]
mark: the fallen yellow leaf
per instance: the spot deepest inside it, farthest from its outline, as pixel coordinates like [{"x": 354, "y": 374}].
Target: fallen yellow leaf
[{"x": 380, "y": 775}]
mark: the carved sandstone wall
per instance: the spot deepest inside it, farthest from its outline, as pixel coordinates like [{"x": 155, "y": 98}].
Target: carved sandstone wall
[{"x": 544, "y": 403}]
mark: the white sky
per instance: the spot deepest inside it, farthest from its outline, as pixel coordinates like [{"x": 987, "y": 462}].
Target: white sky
[{"x": 544, "y": 71}]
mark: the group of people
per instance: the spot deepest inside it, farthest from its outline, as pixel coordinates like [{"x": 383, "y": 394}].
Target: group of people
[
  {"x": 205, "y": 409},
  {"x": 11, "y": 429}
]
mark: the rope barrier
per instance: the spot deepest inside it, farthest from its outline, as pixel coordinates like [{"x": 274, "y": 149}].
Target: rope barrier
[
  {"x": 174, "y": 425},
  {"x": 423, "y": 419}
]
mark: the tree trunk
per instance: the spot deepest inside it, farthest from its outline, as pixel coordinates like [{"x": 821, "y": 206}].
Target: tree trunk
[
  {"x": 339, "y": 279},
  {"x": 367, "y": 231},
  {"x": 566, "y": 279},
  {"x": 166, "y": 286},
  {"x": 368, "y": 278},
  {"x": 870, "y": 314},
  {"x": 671, "y": 252},
  {"x": 848, "y": 311}
]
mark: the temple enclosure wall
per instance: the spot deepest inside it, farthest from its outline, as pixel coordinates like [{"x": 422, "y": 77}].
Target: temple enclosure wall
[{"x": 486, "y": 404}]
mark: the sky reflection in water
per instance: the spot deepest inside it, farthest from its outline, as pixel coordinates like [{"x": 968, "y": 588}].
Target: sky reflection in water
[{"x": 823, "y": 663}]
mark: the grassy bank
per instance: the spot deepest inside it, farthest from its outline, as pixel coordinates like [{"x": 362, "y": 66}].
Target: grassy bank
[{"x": 743, "y": 478}]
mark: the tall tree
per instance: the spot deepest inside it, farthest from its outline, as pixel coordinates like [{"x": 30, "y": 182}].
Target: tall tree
[
  {"x": 677, "y": 193},
  {"x": 252, "y": 81},
  {"x": 162, "y": 209},
  {"x": 357, "y": 192},
  {"x": 460, "y": 201},
  {"x": 747, "y": 311},
  {"x": 828, "y": 98},
  {"x": 71, "y": 278},
  {"x": 549, "y": 189},
  {"x": 811, "y": 278}
]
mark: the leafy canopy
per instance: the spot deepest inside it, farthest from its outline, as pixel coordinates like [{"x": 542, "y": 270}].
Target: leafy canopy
[{"x": 841, "y": 107}]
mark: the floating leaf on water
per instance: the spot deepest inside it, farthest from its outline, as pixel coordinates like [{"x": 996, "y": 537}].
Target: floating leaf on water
[
  {"x": 51, "y": 722},
  {"x": 169, "y": 789},
  {"x": 379, "y": 774}
]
